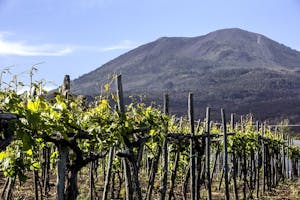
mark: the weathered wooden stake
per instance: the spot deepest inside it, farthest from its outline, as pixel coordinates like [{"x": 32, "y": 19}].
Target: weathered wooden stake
[
  {"x": 62, "y": 151},
  {"x": 225, "y": 155},
  {"x": 258, "y": 165},
  {"x": 121, "y": 107},
  {"x": 91, "y": 181},
  {"x": 207, "y": 154},
  {"x": 108, "y": 173},
  {"x": 173, "y": 174},
  {"x": 234, "y": 162},
  {"x": 164, "y": 179},
  {"x": 192, "y": 153},
  {"x": 264, "y": 160},
  {"x": 61, "y": 171}
]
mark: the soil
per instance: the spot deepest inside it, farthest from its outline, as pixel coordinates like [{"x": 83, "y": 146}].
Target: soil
[{"x": 288, "y": 190}]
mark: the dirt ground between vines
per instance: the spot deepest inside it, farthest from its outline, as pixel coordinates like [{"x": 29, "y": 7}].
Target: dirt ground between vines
[{"x": 290, "y": 190}]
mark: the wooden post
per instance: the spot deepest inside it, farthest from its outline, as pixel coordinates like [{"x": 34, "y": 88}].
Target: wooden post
[
  {"x": 283, "y": 159},
  {"x": 61, "y": 171},
  {"x": 164, "y": 180},
  {"x": 234, "y": 162},
  {"x": 225, "y": 155},
  {"x": 121, "y": 107},
  {"x": 46, "y": 170},
  {"x": 258, "y": 165},
  {"x": 232, "y": 123},
  {"x": 242, "y": 123},
  {"x": 62, "y": 151},
  {"x": 264, "y": 160},
  {"x": 35, "y": 182},
  {"x": 166, "y": 104},
  {"x": 91, "y": 168},
  {"x": 65, "y": 89},
  {"x": 244, "y": 168},
  {"x": 120, "y": 97},
  {"x": 192, "y": 156},
  {"x": 173, "y": 174},
  {"x": 108, "y": 174},
  {"x": 288, "y": 160},
  {"x": 207, "y": 154},
  {"x": 152, "y": 174}
]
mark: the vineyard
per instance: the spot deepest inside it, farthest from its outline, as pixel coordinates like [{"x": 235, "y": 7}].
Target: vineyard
[{"x": 68, "y": 148}]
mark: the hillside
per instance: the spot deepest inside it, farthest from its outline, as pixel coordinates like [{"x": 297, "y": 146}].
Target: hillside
[{"x": 231, "y": 68}]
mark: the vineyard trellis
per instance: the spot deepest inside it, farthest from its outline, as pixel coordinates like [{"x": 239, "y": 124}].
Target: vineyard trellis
[{"x": 199, "y": 159}]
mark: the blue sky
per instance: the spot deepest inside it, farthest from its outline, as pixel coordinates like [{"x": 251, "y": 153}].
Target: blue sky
[{"x": 77, "y": 36}]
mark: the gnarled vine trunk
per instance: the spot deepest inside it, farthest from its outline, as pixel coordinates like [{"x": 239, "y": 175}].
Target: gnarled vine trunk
[{"x": 72, "y": 188}]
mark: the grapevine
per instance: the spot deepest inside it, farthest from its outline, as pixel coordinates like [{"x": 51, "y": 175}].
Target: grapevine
[{"x": 87, "y": 131}]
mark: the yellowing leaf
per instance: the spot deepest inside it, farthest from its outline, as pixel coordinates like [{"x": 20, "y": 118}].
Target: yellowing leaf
[
  {"x": 114, "y": 97},
  {"x": 2, "y": 155},
  {"x": 31, "y": 106},
  {"x": 126, "y": 124},
  {"x": 106, "y": 87},
  {"x": 104, "y": 104},
  {"x": 148, "y": 111},
  {"x": 104, "y": 101},
  {"x": 55, "y": 115},
  {"x": 36, "y": 165},
  {"x": 29, "y": 152},
  {"x": 152, "y": 132}
]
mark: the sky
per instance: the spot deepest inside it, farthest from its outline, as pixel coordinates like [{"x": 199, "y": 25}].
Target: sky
[{"x": 74, "y": 37}]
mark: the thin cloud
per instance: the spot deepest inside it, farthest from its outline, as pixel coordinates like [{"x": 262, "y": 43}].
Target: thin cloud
[
  {"x": 18, "y": 48},
  {"x": 123, "y": 45}
]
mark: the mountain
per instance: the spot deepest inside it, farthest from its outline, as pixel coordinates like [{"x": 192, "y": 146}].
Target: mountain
[{"x": 231, "y": 68}]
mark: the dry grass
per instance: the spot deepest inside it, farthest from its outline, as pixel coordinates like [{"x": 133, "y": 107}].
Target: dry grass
[{"x": 288, "y": 190}]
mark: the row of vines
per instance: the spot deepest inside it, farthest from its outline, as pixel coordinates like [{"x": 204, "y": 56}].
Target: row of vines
[{"x": 135, "y": 151}]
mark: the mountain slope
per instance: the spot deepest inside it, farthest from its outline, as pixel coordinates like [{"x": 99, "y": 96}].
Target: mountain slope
[{"x": 230, "y": 68}]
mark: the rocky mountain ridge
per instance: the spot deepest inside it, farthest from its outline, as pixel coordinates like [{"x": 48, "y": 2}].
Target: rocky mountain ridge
[{"x": 231, "y": 68}]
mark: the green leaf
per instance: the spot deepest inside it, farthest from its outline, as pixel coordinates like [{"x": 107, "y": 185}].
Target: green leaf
[
  {"x": 54, "y": 155},
  {"x": 27, "y": 141},
  {"x": 23, "y": 177}
]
